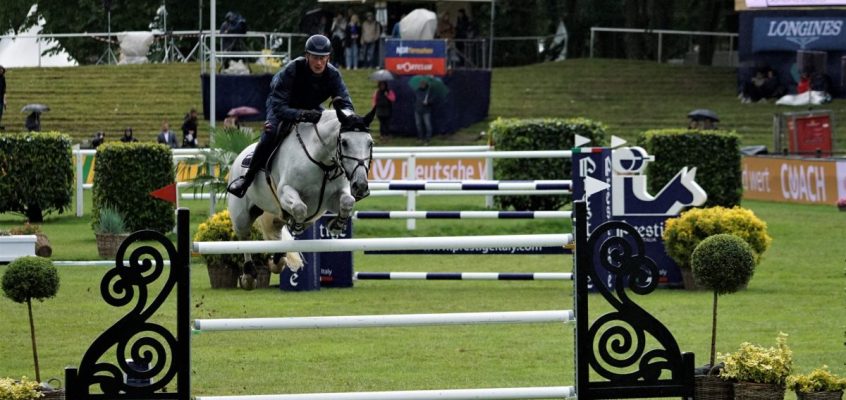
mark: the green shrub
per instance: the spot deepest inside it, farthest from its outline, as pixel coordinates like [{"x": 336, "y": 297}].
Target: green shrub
[
  {"x": 218, "y": 228},
  {"x": 723, "y": 263},
  {"x": 110, "y": 222},
  {"x": 683, "y": 233},
  {"x": 715, "y": 154},
  {"x": 818, "y": 380},
  {"x": 25, "y": 389},
  {"x": 538, "y": 134},
  {"x": 37, "y": 173},
  {"x": 124, "y": 176},
  {"x": 757, "y": 364}
]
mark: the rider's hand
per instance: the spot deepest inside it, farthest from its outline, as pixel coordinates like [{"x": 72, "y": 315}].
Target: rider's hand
[
  {"x": 312, "y": 116},
  {"x": 268, "y": 128}
]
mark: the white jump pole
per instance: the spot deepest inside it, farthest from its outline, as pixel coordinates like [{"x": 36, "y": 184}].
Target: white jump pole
[
  {"x": 414, "y": 243},
  {"x": 462, "y": 214},
  {"x": 471, "y": 185},
  {"x": 480, "y": 154},
  {"x": 551, "y": 392},
  {"x": 463, "y": 276},
  {"x": 383, "y": 321}
]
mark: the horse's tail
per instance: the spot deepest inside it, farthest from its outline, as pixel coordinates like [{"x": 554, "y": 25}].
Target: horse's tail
[{"x": 293, "y": 259}]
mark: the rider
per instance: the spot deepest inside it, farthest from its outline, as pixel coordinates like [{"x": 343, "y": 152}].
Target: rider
[{"x": 295, "y": 96}]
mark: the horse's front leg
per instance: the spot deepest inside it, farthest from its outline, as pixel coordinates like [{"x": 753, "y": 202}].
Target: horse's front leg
[
  {"x": 273, "y": 228},
  {"x": 339, "y": 224},
  {"x": 291, "y": 202}
]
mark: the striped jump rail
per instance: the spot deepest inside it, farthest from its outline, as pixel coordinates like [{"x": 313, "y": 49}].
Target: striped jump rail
[
  {"x": 383, "y": 321},
  {"x": 464, "y": 276},
  {"x": 471, "y": 185},
  {"x": 462, "y": 214}
]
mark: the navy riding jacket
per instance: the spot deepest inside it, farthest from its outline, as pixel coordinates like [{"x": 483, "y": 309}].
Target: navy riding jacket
[{"x": 296, "y": 88}]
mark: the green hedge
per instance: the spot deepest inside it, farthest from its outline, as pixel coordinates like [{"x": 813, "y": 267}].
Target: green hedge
[
  {"x": 715, "y": 154},
  {"x": 538, "y": 134},
  {"x": 36, "y": 173},
  {"x": 124, "y": 176}
]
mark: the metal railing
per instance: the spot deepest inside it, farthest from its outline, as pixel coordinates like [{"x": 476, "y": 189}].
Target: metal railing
[{"x": 660, "y": 33}]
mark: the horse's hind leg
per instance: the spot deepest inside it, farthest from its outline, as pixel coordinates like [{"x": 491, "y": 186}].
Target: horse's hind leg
[
  {"x": 273, "y": 228},
  {"x": 242, "y": 221},
  {"x": 339, "y": 224}
]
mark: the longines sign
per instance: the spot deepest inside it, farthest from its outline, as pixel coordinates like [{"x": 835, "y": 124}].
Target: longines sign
[{"x": 790, "y": 34}]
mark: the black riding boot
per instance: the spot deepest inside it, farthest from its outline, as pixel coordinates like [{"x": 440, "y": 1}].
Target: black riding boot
[{"x": 262, "y": 153}]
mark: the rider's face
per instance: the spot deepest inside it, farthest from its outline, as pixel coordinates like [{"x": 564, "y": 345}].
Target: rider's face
[{"x": 316, "y": 63}]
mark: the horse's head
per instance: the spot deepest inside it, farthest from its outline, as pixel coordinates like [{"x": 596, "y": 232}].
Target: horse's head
[{"x": 355, "y": 150}]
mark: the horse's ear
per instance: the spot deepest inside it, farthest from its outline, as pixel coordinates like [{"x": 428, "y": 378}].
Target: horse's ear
[
  {"x": 369, "y": 117},
  {"x": 342, "y": 117}
]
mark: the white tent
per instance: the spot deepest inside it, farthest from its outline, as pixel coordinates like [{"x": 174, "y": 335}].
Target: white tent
[
  {"x": 24, "y": 50},
  {"x": 419, "y": 24}
]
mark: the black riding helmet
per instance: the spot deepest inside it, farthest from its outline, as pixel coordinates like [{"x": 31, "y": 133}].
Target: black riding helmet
[{"x": 318, "y": 45}]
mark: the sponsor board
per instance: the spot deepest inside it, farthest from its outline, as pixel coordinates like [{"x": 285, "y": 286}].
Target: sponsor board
[
  {"x": 797, "y": 33},
  {"x": 810, "y": 134},
  {"x": 793, "y": 180},
  {"x": 429, "y": 169},
  {"x": 793, "y": 3},
  {"x": 416, "y": 57}
]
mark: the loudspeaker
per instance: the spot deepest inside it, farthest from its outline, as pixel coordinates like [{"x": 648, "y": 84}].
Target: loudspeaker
[{"x": 812, "y": 61}]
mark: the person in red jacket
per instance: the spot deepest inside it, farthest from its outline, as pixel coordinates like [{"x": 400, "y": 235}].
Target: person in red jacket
[{"x": 383, "y": 102}]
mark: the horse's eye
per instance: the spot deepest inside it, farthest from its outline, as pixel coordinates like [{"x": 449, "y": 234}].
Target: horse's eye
[{"x": 344, "y": 143}]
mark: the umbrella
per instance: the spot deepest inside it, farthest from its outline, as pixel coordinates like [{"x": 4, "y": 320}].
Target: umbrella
[
  {"x": 381, "y": 75},
  {"x": 243, "y": 111},
  {"x": 703, "y": 113},
  {"x": 437, "y": 86},
  {"x": 35, "y": 107}
]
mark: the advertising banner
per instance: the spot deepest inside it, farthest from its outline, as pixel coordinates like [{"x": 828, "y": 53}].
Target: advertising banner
[
  {"x": 416, "y": 57},
  {"x": 429, "y": 169},
  {"x": 810, "y": 134},
  {"x": 792, "y": 180},
  {"x": 784, "y": 33},
  {"x": 793, "y": 3}
]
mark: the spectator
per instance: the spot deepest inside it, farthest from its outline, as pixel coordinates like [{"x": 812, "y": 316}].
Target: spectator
[
  {"x": 3, "y": 100},
  {"x": 383, "y": 102},
  {"x": 98, "y": 139},
  {"x": 166, "y": 137},
  {"x": 33, "y": 122},
  {"x": 423, "y": 111},
  {"x": 370, "y": 32},
  {"x": 127, "y": 136},
  {"x": 764, "y": 85},
  {"x": 804, "y": 84},
  {"x": 232, "y": 122},
  {"x": 351, "y": 39},
  {"x": 445, "y": 28},
  {"x": 339, "y": 32},
  {"x": 189, "y": 129},
  {"x": 233, "y": 23},
  {"x": 462, "y": 33}
]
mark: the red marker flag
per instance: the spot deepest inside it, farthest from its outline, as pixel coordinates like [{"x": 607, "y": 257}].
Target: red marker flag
[{"x": 167, "y": 193}]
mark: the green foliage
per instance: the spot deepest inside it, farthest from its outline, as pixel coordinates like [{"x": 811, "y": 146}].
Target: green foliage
[
  {"x": 226, "y": 144},
  {"x": 30, "y": 277},
  {"x": 218, "y": 228},
  {"x": 758, "y": 364},
  {"x": 723, "y": 263},
  {"x": 25, "y": 389},
  {"x": 715, "y": 154},
  {"x": 37, "y": 173},
  {"x": 818, "y": 380},
  {"x": 538, "y": 134},
  {"x": 110, "y": 222},
  {"x": 124, "y": 176},
  {"x": 683, "y": 233}
]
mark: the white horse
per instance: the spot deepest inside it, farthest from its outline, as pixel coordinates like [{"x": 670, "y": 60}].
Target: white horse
[{"x": 319, "y": 167}]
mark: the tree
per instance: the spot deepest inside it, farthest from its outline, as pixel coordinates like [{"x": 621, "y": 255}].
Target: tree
[{"x": 30, "y": 278}]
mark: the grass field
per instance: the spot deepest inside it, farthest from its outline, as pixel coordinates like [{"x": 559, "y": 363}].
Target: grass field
[{"x": 797, "y": 289}]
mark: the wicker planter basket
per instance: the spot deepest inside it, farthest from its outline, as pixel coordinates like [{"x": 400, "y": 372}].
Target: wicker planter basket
[
  {"x": 712, "y": 387},
  {"x": 828, "y": 395},
  {"x": 263, "y": 278},
  {"x": 758, "y": 391},
  {"x": 108, "y": 243},
  {"x": 58, "y": 394},
  {"x": 222, "y": 276}
]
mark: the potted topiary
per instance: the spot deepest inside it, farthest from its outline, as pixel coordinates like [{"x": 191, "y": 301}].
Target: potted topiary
[
  {"x": 723, "y": 263},
  {"x": 28, "y": 278},
  {"x": 683, "y": 233},
  {"x": 759, "y": 373},
  {"x": 110, "y": 231},
  {"x": 224, "y": 269},
  {"x": 820, "y": 384}
]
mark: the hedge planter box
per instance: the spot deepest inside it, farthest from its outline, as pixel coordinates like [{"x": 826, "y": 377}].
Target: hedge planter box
[{"x": 12, "y": 247}]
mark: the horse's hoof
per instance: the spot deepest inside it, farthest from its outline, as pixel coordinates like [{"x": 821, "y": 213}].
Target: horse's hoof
[
  {"x": 247, "y": 282},
  {"x": 296, "y": 228},
  {"x": 336, "y": 228},
  {"x": 250, "y": 269}
]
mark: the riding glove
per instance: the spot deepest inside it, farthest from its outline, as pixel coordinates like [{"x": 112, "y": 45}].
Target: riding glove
[{"x": 312, "y": 116}]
